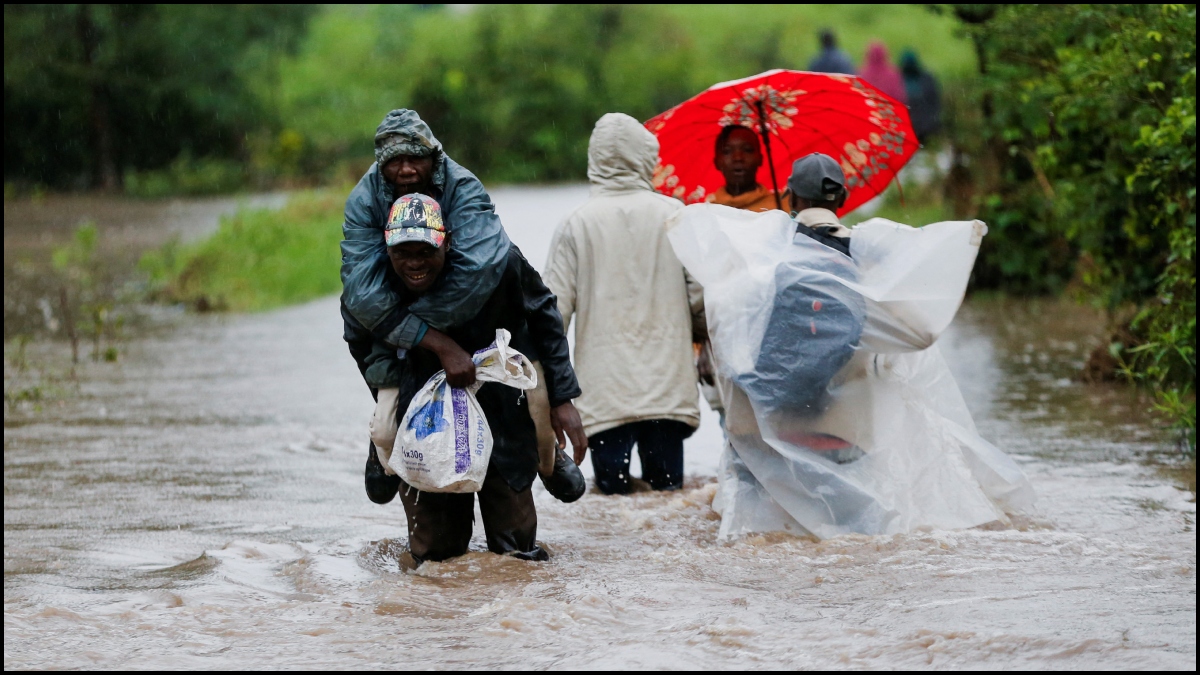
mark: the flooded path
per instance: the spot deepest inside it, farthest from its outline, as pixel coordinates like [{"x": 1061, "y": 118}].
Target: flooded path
[{"x": 200, "y": 505}]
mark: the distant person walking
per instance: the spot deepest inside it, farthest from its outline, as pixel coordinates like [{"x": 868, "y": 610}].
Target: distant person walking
[
  {"x": 879, "y": 72},
  {"x": 615, "y": 273},
  {"x": 924, "y": 96},
  {"x": 831, "y": 59}
]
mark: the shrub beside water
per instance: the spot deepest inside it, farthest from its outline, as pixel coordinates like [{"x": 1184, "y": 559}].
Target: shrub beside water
[
  {"x": 258, "y": 258},
  {"x": 1082, "y": 155},
  {"x": 188, "y": 176}
]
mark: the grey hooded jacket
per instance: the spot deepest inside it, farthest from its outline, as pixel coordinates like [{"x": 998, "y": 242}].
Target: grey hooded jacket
[
  {"x": 614, "y": 272},
  {"x": 474, "y": 264}
]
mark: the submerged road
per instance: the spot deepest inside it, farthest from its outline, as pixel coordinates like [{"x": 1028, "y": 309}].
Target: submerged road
[{"x": 200, "y": 505}]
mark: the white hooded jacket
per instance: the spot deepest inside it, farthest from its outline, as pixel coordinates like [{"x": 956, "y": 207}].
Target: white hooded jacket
[{"x": 614, "y": 271}]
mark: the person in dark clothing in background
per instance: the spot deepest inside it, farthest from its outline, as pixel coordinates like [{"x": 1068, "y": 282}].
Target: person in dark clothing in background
[
  {"x": 831, "y": 59},
  {"x": 924, "y": 96},
  {"x": 439, "y": 524}
]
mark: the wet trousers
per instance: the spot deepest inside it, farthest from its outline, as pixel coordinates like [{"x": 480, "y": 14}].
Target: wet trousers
[
  {"x": 660, "y": 447},
  {"x": 440, "y": 523}
]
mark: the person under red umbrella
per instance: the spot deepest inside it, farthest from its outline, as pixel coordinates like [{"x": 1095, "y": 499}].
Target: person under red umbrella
[
  {"x": 738, "y": 156},
  {"x": 794, "y": 114}
]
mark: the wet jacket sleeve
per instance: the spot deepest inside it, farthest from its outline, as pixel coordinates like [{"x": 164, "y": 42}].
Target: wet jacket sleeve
[
  {"x": 476, "y": 260},
  {"x": 546, "y": 330},
  {"x": 477, "y": 257},
  {"x": 382, "y": 367},
  {"x": 562, "y": 271},
  {"x": 367, "y": 297}
]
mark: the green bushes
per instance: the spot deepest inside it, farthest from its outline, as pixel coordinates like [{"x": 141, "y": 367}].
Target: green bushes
[
  {"x": 90, "y": 300},
  {"x": 92, "y": 91},
  {"x": 1083, "y": 150},
  {"x": 513, "y": 91},
  {"x": 258, "y": 258},
  {"x": 187, "y": 176},
  {"x": 166, "y": 97}
]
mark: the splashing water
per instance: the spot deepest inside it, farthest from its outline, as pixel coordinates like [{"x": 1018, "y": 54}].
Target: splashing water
[{"x": 201, "y": 506}]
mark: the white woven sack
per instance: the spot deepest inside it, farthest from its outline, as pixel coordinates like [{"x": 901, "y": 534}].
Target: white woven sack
[{"x": 444, "y": 444}]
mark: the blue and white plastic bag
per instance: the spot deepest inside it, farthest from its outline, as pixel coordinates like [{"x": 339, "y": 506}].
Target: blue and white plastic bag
[{"x": 444, "y": 442}]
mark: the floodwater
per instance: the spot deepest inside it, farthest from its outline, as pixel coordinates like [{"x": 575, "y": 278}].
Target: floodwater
[{"x": 200, "y": 505}]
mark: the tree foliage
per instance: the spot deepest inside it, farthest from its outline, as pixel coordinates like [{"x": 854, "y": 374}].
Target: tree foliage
[
  {"x": 199, "y": 98},
  {"x": 92, "y": 91},
  {"x": 514, "y": 90},
  {"x": 1086, "y": 150}
]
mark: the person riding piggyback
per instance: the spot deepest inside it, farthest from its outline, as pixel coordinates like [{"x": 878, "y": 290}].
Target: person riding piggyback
[{"x": 439, "y": 524}]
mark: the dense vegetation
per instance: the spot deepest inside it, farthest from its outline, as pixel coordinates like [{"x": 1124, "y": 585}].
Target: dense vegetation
[
  {"x": 1078, "y": 139},
  {"x": 95, "y": 92},
  {"x": 192, "y": 99},
  {"x": 513, "y": 91},
  {"x": 258, "y": 258}
]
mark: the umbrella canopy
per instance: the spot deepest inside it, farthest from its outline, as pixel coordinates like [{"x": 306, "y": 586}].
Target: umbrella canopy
[{"x": 795, "y": 113}]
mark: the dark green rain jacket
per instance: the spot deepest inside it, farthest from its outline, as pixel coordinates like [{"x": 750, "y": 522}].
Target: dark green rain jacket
[{"x": 474, "y": 264}]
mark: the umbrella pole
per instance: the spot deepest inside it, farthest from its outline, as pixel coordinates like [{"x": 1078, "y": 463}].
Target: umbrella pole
[{"x": 762, "y": 127}]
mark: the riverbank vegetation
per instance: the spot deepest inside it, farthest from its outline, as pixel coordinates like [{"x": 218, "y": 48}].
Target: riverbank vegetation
[
  {"x": 258, "y": 258},
  {"x": 1076, "y": 143},
  {"x": 197, "y": 99}
]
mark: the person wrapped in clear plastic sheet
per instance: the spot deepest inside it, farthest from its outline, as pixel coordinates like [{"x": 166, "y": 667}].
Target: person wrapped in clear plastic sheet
[{"x": 866, "y": 431}]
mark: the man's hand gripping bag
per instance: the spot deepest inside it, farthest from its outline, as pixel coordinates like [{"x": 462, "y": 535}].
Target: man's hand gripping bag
[{"x": 444, "y": 441}]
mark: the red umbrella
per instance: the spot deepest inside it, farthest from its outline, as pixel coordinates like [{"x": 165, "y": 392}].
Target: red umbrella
[{"x": 795, "y": 113}]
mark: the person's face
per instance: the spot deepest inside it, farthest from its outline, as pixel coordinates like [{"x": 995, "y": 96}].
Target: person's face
[
  {"x": 418, "y": 264},
  {"x": 409, "y": 174},
  {"x": 738, "y": 160}
]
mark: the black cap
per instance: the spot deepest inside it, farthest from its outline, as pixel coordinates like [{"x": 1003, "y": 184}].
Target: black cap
[{"x": 817, "y": 177}]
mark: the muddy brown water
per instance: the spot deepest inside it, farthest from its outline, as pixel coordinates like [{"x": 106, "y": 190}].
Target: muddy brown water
[{"x": 199, "y": 504}]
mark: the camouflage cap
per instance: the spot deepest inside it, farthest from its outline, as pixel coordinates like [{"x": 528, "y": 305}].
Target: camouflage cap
[{"x": 403, "y": 132}]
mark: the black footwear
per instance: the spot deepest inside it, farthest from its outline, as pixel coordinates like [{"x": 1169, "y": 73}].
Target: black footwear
[
  {"x": 567, "y": 482},
  {"x": 538, "y": 554},
  {"x": 381, "y": 488}
]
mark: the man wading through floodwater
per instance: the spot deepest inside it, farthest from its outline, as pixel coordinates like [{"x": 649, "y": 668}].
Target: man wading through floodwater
[
  {"x": 439, "y": 523},
  {"x": 409, "y": 159}
]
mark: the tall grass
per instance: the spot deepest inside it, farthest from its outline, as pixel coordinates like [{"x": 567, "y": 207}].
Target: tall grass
[{"x": 258, "y": 258}]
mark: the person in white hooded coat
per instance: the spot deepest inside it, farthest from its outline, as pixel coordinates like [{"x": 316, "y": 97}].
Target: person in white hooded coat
[{"x": 636, "y": 312}]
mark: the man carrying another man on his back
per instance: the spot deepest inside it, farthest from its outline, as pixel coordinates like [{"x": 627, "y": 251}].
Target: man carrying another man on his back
[
  {"x": 410, "y": 160},
  {"x": 439, "y": 524},
  {"x": 615, "y": 273}
]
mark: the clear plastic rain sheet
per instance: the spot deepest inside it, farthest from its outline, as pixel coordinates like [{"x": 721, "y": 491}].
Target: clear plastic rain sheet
[{"x": 840, "y": 412}]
